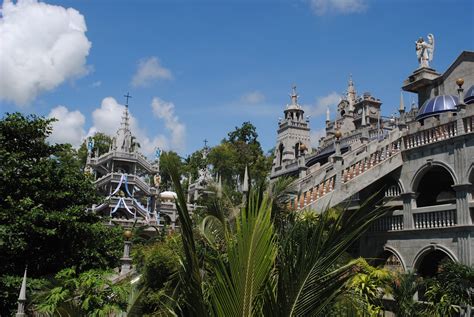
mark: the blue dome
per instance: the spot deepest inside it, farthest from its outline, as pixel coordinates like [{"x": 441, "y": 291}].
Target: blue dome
[
  {"x": 436, "y": 105},
  {"x": 469, "y": 96}
]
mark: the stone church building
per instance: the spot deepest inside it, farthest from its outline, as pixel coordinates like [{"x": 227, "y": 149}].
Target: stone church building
[{"x": 423, "y": 158}]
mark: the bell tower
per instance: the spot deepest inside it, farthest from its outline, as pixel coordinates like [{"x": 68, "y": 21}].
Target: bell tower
[{"x": 293, "y": 139}]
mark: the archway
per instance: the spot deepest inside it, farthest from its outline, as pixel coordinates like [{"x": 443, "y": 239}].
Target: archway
[
  {"x": 428, "y": 261},
  {"x": 390, "y": 260},
  {"x": 281, "y": 148},
  {"x": 434, "y": 187}
]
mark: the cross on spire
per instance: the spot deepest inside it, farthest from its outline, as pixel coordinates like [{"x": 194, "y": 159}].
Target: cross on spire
[
  {"x": 205, "y": 142},
  {"x": 127, "y": 96}
]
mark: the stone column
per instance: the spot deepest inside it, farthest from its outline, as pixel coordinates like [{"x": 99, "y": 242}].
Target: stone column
[
  {"x": 463, "y": 215},
  {"x": 408, "y": 204},
  {"x": 465, "y": 248},
  {"x": 338, "y": 161}
]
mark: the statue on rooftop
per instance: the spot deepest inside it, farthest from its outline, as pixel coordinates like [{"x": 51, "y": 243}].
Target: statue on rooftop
[{"x": 424, "y": 50}]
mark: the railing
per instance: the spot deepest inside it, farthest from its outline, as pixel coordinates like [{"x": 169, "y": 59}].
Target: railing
[
  {"x": 388, "y": 223},
  {"x": 431, "y": 135},
  {"x": 393, "y": 191},
  {"x": 435, "y": 219},
  {"x": 370, "y": 161}
]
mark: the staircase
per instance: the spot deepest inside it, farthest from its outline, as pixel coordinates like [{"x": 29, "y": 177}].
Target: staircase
[{"x": 346, "y": 175}]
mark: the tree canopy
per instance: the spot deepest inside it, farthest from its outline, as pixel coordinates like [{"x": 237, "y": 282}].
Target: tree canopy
[{"x": 43, "y": 218}]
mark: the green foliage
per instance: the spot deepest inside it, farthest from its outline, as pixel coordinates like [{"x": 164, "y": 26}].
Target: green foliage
[
  {"x": 90, "y": 293},
  {"x": 168, "y": 159},
  {"x": 241, "y": 277},
  {"x": 403, "y": 289},
  {"x": 450, "y": 288},
  {"x": 43, "y": 222},
  {"x": 10, "y": 289},
  {"x": 240, "y": 149},
  {"x": 368, "y": 287}
]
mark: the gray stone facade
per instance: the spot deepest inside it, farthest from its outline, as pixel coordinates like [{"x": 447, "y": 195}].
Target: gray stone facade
[{"x": 424, "y": 160}]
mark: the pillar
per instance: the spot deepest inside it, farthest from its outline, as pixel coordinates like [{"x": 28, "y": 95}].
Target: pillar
[{"x": 408, "y": 205}]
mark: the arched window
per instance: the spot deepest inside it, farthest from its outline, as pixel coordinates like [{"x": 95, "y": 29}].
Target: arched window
[
  {"x": 434, "y": 188},
  {"x": 297, "y": 150},
  {"x": 281, "y": 148}
]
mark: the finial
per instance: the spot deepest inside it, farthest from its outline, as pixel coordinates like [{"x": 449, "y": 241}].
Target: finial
[
  {"x": 205, "y": 143},
  {"x": 328, "y": 114},
  {"x": 127, "y": 96},
  {"x": 245, "y": 185},
  {"x": 460, "y": 82}
]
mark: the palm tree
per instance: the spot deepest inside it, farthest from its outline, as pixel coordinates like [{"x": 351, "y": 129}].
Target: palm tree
[{"x": 293, "y": 273}]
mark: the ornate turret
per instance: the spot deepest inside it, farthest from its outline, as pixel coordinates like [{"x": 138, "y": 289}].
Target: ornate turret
[
  {"x": 351, "y": 95},
  {"x": 293, "y": 133},
  {"x": 123, "y": 139}
]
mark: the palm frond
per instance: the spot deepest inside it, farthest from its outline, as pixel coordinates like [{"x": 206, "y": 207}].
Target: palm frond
[
  {"x": 193, "y": 296},
  {"x": 242, "y": 281},
  {"x": 308, "y": 278}
]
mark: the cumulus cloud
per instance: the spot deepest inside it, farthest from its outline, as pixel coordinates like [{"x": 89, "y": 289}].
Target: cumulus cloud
[
  {"x": 165, "y": 111},
  {"x": 69, "y": 127},
  {"x": 41, "y": 46},
  {"x": 322, "y": 103},
  {"x": 107, "y": 119},
  {"x": 253, "y": 97},
  {"x": 322, "y": 7},
  {"x": 148, "y": 70}
]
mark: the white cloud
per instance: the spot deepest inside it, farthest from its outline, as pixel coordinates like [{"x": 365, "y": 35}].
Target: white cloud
[
  {"x": 41, "y": 46},
  {"x": 165, "y": 110},
  {"x": 253, "y": 97},
  {"x": 96, "y": 84},
  {"x": 150, "y": 69},
  {"x": 108, "y": 116},
  {"x": 69, "y": 128},
  {"x": 322, "y": 7},
  {"x": 322, "y": 103}
]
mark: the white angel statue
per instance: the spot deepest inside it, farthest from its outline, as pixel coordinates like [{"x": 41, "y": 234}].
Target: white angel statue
[{"x": 425, "y": 51}]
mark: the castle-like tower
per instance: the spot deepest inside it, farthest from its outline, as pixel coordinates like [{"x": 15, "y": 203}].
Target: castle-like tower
[{"x": 293, "y": 139}]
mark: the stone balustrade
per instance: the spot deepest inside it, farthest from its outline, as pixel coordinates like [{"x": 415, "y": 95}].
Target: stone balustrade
[
  {"x": 431, "y": 135},
  {"x": 388, "y": 223},
  {"x": 435, "y": 219}
]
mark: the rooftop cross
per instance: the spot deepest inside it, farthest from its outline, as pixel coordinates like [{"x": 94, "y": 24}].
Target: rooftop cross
[
  {"x": 294, "y": 96},
  {"x": 205, "y": 142},
  {"x": 127, "y": 96}
]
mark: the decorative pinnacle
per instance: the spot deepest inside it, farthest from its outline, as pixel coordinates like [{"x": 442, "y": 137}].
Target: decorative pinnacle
[
  {"x": 402, "y": 103},
  {"x": 460, "y": 82}
]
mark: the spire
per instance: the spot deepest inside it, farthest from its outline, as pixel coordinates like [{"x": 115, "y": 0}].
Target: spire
[
  {"x": 328, "y": 115},
  {"x": 245, "y": 185},
  {"x": 351, "y": 93},
  {"x": 123, "y": 140},
  {"x": 402, "y": 104},
  {"x": 22, "y": 298}
]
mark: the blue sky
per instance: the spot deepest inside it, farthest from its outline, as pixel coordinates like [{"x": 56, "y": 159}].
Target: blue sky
[{"x": 197, "y": 69}]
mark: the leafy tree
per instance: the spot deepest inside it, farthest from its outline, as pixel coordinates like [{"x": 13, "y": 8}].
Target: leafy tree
[
  {"x": 43, "y": 218},
  {"x": 91, "y": 293},
  {"x": 450, "y": 288},
  {"x": 403, "y": 289}
]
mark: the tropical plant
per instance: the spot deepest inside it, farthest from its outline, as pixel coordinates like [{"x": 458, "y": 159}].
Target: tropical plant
[
  {"x": 403, "y": 288},
  {"x": 91, "y": 293},
  {"x": 293, "y": 274}
]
